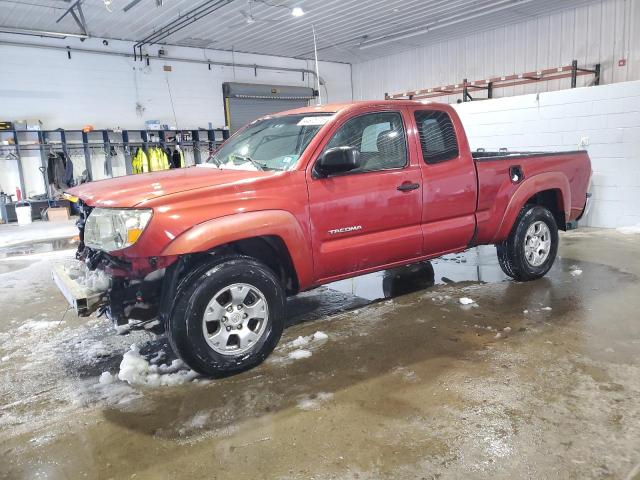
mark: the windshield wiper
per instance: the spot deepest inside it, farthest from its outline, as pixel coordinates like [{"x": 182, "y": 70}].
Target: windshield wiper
[{"x": 255, "y": 163}]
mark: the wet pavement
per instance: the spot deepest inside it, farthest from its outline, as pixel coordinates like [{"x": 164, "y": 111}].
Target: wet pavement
[{"x": 531, "y": 380}]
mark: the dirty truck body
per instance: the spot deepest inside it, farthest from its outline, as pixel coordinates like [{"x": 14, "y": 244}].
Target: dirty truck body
[{"x": 304, "y": 198}]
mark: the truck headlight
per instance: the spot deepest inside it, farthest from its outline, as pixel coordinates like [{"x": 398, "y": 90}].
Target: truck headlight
[{"x": 112, "y": 229}]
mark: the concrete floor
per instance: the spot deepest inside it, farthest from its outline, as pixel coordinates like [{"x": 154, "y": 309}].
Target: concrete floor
[{"x": 416, "y": 386}]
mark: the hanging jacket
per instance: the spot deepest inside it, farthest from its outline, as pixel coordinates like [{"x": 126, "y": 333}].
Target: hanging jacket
[
  {"x": 139, "y": 162},
  {"x": 177, "y": 159},
  {"x": 158, "y": 159},
  {"x": 56, "y": 170},
  {"x": 68, "y": 173}
]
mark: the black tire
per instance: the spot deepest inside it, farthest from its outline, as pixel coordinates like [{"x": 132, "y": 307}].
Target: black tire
[
  {"x": 184, "y": 327},
  {"x": 511, "y": 252}
]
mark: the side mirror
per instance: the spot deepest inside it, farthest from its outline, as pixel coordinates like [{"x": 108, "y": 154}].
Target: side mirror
[{"x": 338, "y": 160}]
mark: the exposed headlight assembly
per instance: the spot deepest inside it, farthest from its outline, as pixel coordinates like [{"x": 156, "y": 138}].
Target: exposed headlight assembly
[{"x": 112, "y": 229}]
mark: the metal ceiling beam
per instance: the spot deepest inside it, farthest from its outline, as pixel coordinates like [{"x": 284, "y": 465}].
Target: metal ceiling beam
[
  {"x": 78, "y": 15},
  {"x": 130, "y": 5}
]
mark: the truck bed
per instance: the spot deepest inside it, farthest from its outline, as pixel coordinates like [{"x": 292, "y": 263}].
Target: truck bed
[{"x": 569, "y": 171}]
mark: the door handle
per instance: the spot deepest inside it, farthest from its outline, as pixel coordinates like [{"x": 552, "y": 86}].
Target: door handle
[{"x": 408, "y": 186}]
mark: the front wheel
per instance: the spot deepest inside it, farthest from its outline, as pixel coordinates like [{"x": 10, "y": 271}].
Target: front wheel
[
  {"x": 530, "y": 250},
  {"x": 229, "y": 317}
]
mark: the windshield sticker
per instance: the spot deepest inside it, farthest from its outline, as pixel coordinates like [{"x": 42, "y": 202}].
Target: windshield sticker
[{"x": 315, "y": 120}]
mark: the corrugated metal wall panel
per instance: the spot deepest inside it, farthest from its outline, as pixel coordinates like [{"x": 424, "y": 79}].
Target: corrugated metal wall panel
[{"x": 602, "y": 32}]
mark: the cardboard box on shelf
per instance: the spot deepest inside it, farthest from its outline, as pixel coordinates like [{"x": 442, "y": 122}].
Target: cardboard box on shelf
[{"x": 57, "y": 214}]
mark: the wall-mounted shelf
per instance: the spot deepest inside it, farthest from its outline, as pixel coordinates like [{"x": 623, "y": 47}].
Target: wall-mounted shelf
[
  {"x": 45, "y": 141},
  {"x": 465, "y": 88}
]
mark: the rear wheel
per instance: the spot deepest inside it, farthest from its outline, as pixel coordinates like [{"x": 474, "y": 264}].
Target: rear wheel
[
  {"x": 530, "y": 250},
  {"x": 229, "y": 317}
]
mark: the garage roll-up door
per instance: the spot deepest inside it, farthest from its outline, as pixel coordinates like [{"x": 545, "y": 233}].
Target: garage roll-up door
[{"x": 244, "y": 102}]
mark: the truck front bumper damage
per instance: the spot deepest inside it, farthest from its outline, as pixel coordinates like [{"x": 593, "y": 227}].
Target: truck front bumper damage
[{"x": 85, "y": 291}]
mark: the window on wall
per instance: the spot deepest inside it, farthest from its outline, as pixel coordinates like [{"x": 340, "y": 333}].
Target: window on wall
[
  {"x": 379, "y": 137},
  {"x": 437, "y": 136}
]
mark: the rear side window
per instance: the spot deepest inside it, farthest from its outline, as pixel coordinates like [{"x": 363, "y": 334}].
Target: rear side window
[{"x": 437, "y": 136}]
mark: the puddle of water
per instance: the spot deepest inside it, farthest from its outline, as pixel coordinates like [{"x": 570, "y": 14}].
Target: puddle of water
[
  {"x": 41, "y": 246},
  {"x": 479, "y": 264}
]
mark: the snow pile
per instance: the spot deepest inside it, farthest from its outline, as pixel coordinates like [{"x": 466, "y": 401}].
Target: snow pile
[
  {"x": 629, "y": 230},
  {"x": 466, "y": 301},
  {"x": 136, "y": 370},
  {"x": 300, "y": 353},
  {"x": 93, "y": 280}
]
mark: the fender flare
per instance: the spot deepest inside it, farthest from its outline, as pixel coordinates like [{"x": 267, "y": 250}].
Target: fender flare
[
  {"x": 205, "y": 236},
  {"x": 528, "y": 188}
]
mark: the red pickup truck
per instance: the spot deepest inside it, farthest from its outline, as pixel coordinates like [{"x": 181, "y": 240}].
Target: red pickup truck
[{"x": 303, "y": 198}]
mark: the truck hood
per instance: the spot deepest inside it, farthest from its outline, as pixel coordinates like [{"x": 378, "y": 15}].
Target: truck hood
[{"x": 132, "y": 190}]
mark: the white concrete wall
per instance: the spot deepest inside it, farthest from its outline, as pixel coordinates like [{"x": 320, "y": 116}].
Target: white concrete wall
[
  {"x": 607, "y": 117},
  {"x": 103, "y": 90},
  {"x": 603, "y": 32}
]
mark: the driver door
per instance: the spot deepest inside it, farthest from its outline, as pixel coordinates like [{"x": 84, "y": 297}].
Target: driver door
[{"x": 369, "y": 217}]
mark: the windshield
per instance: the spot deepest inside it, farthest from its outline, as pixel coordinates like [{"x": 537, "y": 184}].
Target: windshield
[{"x": 274, "y": 143}]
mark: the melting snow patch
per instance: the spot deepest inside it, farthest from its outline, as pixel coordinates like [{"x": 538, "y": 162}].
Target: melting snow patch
[
  {"x": 36, "y": 325},
  {"x": 546, "y": 309},
  {"x": 466, "y": 301},
  {"x": 575, "y": 271},
  {"x": 313, "y": 402},
  {"x": 136, "y": 370},
  {"x": 298, "y": 354}
]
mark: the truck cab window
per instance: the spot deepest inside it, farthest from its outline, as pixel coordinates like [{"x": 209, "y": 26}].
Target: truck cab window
[
  {"x": 437, "y": 136},
  {"x": 379, "y": 137}
]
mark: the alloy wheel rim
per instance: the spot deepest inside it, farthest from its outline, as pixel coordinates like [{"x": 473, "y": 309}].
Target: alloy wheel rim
[
  {"x": 235, "y": 319},
  {"x": 537, "y": 243}
]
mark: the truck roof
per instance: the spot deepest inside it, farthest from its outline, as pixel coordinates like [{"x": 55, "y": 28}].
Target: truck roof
[{"x": 345, "y": 106}]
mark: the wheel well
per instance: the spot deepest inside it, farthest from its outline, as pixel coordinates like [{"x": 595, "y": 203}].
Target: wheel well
[
  {"x": 552, "y": 200},
  {"x": 272, "y": 251}
]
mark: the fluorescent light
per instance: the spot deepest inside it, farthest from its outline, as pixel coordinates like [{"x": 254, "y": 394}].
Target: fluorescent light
[
  {"x": 41, "y": 33},
  {"x": 297, "y": 12}
]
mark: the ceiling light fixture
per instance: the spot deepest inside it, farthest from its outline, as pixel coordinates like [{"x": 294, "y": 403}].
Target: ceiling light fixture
[
  {"x": 297, "y": 11},
  {"x": 41, "y": 33}
]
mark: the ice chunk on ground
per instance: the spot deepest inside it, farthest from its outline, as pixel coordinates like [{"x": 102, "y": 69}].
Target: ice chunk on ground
[
  {"x": 319, "y": 336},
  {"x": 575, "y": 272},
  {"x": 298, "y": 354},
  {"x": 506, "y": 329},
  {"x": 136, "y": 370},
  {"x": 303, "y": 341},
  {"x": 466, "y": 301},
  {"x": 106, "y": 378},
  {"x": 300, "y": 342},
  {"x": 546, "y": 309}
]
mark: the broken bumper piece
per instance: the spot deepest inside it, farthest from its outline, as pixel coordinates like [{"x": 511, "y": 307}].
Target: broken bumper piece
[{"x": 84, "y": 290}]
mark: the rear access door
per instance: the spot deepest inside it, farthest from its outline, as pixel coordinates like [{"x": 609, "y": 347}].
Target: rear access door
[{"x": 449, "y": 180}]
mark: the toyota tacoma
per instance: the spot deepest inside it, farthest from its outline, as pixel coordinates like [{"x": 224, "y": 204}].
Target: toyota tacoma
[{"x": 300, "y": 199}]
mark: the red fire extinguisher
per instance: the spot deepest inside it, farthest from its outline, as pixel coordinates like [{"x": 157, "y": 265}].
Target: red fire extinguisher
[{"x": 18, "y": 194}]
